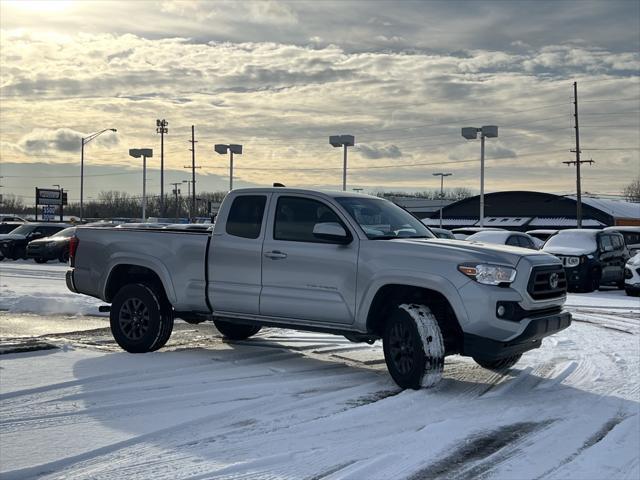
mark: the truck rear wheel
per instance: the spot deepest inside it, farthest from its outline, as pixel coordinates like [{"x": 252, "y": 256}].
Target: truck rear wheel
[
  {"x": 235, "y": 331},
  {"x": 141, "y": 319},
  {"x": 413, "y": 347},
  {"x": 501, "y": 364}
]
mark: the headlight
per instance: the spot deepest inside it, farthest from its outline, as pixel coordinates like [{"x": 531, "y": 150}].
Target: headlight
[
  {"x": 489, "y": 274},
  {"x": 573, "y": 261}
]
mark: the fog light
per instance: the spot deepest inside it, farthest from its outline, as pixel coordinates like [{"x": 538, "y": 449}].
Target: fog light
[{"x": 501, "y": 311}]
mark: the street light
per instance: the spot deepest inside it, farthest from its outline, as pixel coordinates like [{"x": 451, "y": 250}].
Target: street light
[
  {"x": 222, "y": 148},
  {"x": 161, "y": 128},
  {"x": 441, "y": 175},
  {"x": 144, "y": 153},
  {"x": 343, "y": 141},
  {"x": 471, "y": 133},
  {"x": 84, "y": 141}
]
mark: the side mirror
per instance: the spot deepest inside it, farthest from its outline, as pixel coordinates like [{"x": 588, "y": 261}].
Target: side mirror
[{"x": 332, "y": 232}]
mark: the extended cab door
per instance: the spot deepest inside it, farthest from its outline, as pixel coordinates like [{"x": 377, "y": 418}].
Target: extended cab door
[
  {"x": 235, "y": 257},
  {"x": 305, "y": 277}
]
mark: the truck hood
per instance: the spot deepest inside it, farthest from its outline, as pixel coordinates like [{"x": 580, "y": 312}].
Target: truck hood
[
  {"x": 11, "y": 236},
  {"x": 572, "y": 251},
  {"x": 476, "y": 251}
]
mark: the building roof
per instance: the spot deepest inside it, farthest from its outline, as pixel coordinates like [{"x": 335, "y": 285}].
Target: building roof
[
  {"x": 615, "y": 208},
  {"x": 563, "y": 222}
]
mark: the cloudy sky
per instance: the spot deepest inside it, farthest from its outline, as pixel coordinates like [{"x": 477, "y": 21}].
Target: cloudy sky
[{"x": 280, "y": 77}]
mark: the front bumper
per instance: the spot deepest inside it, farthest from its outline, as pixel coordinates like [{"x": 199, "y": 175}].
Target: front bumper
[
  {"x": 530, "y": 338},
  {"x": 48, "y": 253}
]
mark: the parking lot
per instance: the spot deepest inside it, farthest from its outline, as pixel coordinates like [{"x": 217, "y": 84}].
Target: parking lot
[{"x": 302, "y": 405}]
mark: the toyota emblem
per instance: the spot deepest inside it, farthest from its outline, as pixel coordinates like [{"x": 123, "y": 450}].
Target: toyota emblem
[{"x": 553, "y": 280}]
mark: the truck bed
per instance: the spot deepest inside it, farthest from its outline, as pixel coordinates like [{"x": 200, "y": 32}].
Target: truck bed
[{"x": 178, "y": 257}]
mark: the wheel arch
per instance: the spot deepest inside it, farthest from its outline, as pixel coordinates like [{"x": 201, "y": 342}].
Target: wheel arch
[
  {"x": 390, "y": 295},
  {"x": 122, "y": 274}
]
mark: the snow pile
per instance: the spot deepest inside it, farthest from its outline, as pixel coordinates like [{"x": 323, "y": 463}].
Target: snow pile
[{"x": 26, "y": 287}]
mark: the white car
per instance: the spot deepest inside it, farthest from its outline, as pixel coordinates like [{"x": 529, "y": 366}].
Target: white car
[
  {"x": 505, "y": 237},
  {"x": 632, "y": 276}
]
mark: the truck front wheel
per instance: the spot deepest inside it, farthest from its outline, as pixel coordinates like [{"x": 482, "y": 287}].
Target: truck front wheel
[
  {"x": 501, "y": 364},
  {"x": 141, "y": 319},
  {"x": 413, "y": 347},
  {"x": 235, "y": 331}
]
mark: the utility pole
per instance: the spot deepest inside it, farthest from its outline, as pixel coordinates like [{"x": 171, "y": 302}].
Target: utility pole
[
  {"x": 161, "y": 128},
  {"x": 193, "y": 169},
  {"x": 442, "y": 175},
  {"x": 176, "y": 192},
  {"x": 577, "y": 161}
]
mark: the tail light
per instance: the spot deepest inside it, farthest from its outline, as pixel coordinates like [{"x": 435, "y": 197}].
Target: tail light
[{"x": 73, "y": 246}]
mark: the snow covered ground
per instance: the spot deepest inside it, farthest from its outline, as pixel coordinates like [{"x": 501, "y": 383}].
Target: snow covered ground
[{"x": 301, "y": 405}]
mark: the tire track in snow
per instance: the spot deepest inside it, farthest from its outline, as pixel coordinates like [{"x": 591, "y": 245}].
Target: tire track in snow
[{"x": 478, "y": 447}]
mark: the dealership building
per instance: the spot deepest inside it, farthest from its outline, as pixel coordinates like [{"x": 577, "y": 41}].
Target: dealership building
[{"x": 524, "y": 210}]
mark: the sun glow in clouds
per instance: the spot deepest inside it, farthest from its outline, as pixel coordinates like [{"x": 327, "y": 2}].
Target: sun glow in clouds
[{"x": 48, "y": 6}]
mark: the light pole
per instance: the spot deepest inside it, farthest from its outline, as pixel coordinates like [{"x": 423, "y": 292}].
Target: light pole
[
  {"x": 161, "y": 128},
  {"x": 83, "y": 142},
  {"x": 144, "y": 153},
  {"x": 441, "y": 175},
  {"x": 471, "y": 133},
  {"x": 343, "y": 141},
  {"x": 222, "y": 148}
]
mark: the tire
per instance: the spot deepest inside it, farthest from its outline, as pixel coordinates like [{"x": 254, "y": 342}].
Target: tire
[
  {"x": 592, "y": 282},
  {"x": 64, "y": 256},
  {"x": 632, "y": 293},
  {"x": 236, "y": 331},
  {"x": 501, "y": 364},
  {"x": 413, "y": 347},
  {"x": 141, "y": 319},
  {"x": 40, "y": 260}
]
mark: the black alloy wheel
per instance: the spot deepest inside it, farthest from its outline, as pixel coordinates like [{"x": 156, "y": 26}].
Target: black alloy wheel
[{"x": 134, "y": 319}]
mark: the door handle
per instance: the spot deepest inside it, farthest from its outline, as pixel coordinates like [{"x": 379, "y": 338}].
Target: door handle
[{"x": 275, "y": 255}]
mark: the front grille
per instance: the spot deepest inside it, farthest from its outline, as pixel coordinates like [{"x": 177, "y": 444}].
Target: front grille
[{"x": 540, "y": 283}]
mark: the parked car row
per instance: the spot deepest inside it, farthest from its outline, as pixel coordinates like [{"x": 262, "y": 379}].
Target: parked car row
[
  {"x": 14, "y": 244},
  {"x": 590, "y": 257},
  {"x": 45, "y": 241}
]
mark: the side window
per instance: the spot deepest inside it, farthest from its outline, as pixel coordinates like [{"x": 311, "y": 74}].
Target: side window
[
  {"x": 605, "y": 243},
  {"x": 245, "y": 216},
  {"x": 296, "y": 217},
  {"x": 48, "y": 231},
  {"x": 513, "y": 240}
]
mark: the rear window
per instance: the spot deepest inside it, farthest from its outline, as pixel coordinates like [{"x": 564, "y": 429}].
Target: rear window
[{"x": 245, "y": 216}]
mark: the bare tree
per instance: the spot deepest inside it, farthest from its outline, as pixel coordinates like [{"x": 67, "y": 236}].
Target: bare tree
[{"x": 632, "y": 191}]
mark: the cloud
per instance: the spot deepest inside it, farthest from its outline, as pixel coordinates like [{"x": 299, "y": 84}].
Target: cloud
[
  {"x": 42, "y": 140},
  {"x": 372, "y": 151},
  {"x": 281, "y": 77}
]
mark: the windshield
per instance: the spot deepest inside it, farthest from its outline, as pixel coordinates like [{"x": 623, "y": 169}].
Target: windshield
[
  {"x": 66, "y": 233},
  {"x": 578, "y": 240},
  {"x": 24, "y": 229},
  {"x": 382, "y": 220}
]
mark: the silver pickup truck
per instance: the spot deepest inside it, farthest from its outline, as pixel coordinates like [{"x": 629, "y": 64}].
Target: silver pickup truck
[{"x": 336, "y": 262}]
